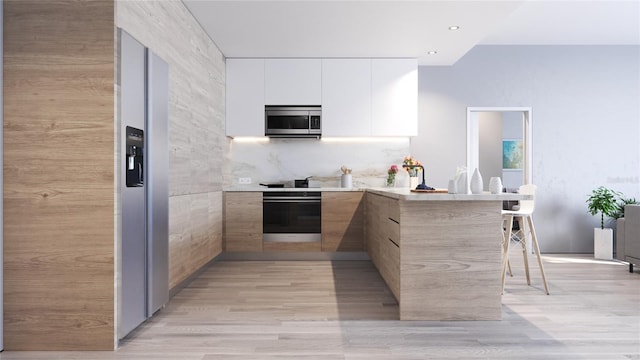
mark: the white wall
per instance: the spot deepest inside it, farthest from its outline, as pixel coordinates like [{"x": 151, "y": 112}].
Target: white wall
[{"x": 585, "y": 123}]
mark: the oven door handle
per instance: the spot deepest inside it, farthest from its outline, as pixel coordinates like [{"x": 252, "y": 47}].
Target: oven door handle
[{"x": 292, "y": 200}]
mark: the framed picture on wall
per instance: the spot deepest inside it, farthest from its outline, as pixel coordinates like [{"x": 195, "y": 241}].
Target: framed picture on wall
[{"x": 512, "y": 154}]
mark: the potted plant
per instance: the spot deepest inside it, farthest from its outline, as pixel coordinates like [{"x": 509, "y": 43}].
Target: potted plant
[{"x": 603, "y": 201}]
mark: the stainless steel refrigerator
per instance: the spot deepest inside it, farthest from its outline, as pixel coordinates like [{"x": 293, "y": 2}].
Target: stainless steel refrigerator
[{"x": 144, "y": 183}]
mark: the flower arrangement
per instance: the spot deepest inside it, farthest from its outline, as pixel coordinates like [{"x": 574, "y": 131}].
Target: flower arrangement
[
  {"x": 411, "y": 165},
  {"x": 391, "y": 175}
]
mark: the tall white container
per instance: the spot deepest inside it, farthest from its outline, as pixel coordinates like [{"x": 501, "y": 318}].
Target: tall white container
[
  {"x": 476, "y": 184},
  {"x": 603, "y": 243},
  {"x": 463, "y": 183},
  {"x": 346, "y": 181}
]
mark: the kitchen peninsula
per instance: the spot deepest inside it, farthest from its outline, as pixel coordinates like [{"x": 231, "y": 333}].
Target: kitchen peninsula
[{"x": 440, "y": 254}]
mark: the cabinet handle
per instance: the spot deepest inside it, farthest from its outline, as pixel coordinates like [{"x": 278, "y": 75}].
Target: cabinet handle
[
  {"x": 394, "y": 243},
  {"x": 395, "y": 221}
]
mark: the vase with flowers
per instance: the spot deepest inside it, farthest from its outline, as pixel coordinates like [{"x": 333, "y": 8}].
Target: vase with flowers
[
  {"x": 412, "y": 165},
  {"x": 391, "y": 176}
]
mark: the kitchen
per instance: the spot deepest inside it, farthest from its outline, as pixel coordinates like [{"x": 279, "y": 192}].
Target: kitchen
[{"x": 197, "y": 177}]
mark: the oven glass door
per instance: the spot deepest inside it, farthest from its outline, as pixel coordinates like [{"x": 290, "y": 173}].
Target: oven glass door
[{"x": 291, "y": 214}]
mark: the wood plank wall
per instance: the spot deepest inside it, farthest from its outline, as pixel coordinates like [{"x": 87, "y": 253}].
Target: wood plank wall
[
  {"x": 199, "y": 149},
  {"x": 58, "y": 174}
]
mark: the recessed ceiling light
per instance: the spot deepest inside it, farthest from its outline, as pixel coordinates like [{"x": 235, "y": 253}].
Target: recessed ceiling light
[
  {"x": 431, "y": 52},
  {"x": 454, "y": 27}
]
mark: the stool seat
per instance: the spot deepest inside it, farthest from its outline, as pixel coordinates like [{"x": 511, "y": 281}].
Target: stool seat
[{"x": 523, "y": 216}]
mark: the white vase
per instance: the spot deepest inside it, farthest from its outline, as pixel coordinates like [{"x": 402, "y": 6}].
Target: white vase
[
  {"x": 476, "y": 184},
  {"x": 495, "y": 185},
  {"x": 463, "y": 183},
  {"x": 453, "y": 187},
  {"x": 346, "y": 181}
]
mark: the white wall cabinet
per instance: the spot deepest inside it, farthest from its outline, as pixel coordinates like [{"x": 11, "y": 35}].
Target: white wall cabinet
[
  {"x": 359, "y": 97},
  {"x": 394, "y": 88},
  {"x": 293, "y": 81},
  {"x": 346, "y": 97},
  {"x": 245, "y": 97}
]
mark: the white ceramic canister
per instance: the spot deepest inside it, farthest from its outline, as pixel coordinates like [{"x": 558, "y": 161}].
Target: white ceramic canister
[
  {"x": 495, "y": 185},
  {"x": 452, "y": 188},
  {"x": 346, "y": 181}
]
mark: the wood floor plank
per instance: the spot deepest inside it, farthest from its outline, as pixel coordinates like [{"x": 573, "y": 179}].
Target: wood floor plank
[{"x": 343, "y": 310}]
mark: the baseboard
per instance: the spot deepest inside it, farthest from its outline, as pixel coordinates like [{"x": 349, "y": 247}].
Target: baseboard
[
  {"x": 184, "y": 283},
  {"x": 309, "y": 256}
]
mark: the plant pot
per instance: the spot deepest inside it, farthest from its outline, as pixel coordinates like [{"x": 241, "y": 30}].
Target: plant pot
[{"x": 603, "y": 243}]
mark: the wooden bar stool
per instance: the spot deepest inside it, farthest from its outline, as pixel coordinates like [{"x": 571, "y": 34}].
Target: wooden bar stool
[{"x": 525, "y": 225}]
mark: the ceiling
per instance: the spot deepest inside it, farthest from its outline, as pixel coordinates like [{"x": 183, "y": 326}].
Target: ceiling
[{"x": 383, "y": 28}]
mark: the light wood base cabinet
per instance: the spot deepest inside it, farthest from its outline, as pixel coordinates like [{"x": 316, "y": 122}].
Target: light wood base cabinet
[
  {"x": 440, "y": 259},
  {"x": 243, "y": 221},
  {"x": 342, "y": 221},
  {"x": 383, "y": 238}
]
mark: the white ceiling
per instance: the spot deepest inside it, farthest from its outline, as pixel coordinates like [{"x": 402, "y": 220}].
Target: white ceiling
[{"x": 383, "y": 28}]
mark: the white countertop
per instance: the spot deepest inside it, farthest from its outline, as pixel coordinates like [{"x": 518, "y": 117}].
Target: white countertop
[
  {"x": 397, "y": 193},
  {"x": 265, "y": 189},
  {"x": 407, "y": 194}
]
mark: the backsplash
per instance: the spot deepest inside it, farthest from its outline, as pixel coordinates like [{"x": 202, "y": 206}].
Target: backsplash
[{"x": 283, "y": 160}]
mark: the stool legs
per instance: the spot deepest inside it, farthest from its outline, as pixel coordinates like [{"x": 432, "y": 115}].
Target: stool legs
[
  {"x": 536, "y": 248},
  {"x": 524, "y": 225},
  {"x": 523, "y": 243},
  {"x": 506, "y": 240}
]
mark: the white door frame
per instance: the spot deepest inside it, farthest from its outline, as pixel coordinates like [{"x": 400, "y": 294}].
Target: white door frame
[{"x": 473, "y": 139}]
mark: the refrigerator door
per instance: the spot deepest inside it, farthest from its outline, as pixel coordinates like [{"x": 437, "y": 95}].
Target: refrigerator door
[
  {"x": 157, "y": 185},
  {"x": 132, "y": 106}
]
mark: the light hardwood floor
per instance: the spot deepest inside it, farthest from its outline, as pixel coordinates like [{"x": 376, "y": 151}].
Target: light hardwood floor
[{"x": 342, "y": 310}]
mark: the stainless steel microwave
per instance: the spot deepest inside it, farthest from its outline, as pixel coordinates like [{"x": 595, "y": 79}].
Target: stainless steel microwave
[{"x": 292, "y": 121}]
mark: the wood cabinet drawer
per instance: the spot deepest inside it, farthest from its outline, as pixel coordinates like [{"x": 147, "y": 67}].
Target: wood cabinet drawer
[
  {"x": 390, "y": 266},
  {"x": 392, "y": 209},
  {"x": 392, "y": 230}
]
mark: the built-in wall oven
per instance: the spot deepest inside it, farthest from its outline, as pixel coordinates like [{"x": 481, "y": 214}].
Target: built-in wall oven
[{"x": 291, "y": 216}]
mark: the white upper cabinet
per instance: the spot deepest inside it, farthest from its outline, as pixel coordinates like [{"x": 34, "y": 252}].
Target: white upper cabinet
[
  {"x": 394, "y": 87},
  {"x": 245, "y": 97},
  {"x": 346, "y": 97},
  {"x": 359, "y": 97},
  {"x": 292, "y": 81}
]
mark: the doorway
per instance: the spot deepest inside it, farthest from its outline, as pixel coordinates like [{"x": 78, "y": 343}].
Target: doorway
[{"x": 499, "y": 144}]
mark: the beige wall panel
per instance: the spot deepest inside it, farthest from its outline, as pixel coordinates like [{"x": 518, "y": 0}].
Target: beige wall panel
[
  {"x": 198, "y": 146},
  {"x": 58, "y": 175}
]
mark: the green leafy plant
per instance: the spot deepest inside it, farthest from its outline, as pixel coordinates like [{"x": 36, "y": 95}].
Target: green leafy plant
[
  {"x": 619, "y": 213},
  {"x": 603, "y": 201}
]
